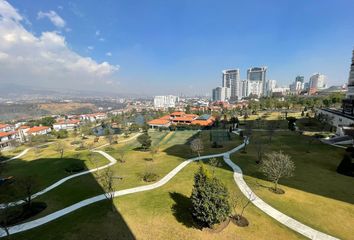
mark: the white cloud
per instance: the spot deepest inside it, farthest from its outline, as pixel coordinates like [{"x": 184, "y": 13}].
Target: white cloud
[
  {"x": 44, "y": 60},
  {"x": 97, "y": 33},
  {"x": 53, "y": 17},
  {"x": 101, "y": 39},
  {"x": 90, "y": 47},
  {"x": 109, "y": 54},
  {"x": 7, "y": 11}
]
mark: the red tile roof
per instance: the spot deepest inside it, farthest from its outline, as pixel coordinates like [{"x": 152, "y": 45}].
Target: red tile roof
[
  {"x": 166, "y": 117},
  {"x": 68, "y": 121},
  {"x": 159, "y": 121},
  {"x": 37, "y": 129},
  {"x": 177, "y": 113},
  {"x": 5, "y": 134},
  {"x": 4, "y": 125},
  {"x": 208, "y": 122}
]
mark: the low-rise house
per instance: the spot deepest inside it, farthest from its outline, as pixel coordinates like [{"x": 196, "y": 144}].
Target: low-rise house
[
  {"x": 177, "y": 118},
  {"x": 159, "y": 123},
  {"x": 66, "y": 124},
  {"x": 6, "y": 127},
  {"x": 8, "y": 139},
  {"x": 184, "y": 119},
  {"x": 93, "y": 117},
  {"x": 38, "y": 130},
  {"x": 204, "y": 120}
]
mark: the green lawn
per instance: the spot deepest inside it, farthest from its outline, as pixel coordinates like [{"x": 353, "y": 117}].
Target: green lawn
[
  {"x": 311, "y": 196},
  {"x": 158, "y": 214},
  {"x": 316, "y": 195}
]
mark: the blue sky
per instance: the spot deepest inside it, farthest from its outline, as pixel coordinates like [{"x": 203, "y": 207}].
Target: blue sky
[{"x": 165, "y": 46}]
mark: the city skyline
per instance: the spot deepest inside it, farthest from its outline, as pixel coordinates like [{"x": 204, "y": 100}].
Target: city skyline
[{"x": 105, "y": 49}]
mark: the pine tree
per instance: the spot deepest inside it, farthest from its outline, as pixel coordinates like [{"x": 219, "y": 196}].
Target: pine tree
[{"x": 209, "y": 199}]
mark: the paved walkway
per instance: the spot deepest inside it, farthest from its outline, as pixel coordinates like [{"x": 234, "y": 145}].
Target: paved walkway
[
  {"x": 277, "y": 215},
  {"x": 238, "y": 177},
  {"x": 19, "y": 155},
  {"x": 123, "y": 141},
  {"x": 111, "y": 160}
]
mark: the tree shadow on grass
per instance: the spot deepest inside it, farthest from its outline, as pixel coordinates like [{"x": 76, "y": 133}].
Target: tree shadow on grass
[
  {"x": 181, "y": 209},
  {"x": 96, "y": 221}
]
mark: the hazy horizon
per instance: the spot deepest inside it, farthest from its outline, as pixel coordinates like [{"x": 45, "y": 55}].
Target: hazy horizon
[{"x": 160, "y": 47}]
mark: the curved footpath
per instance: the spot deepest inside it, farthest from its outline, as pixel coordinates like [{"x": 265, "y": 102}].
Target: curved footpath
[
  {"x": 111, "y": 160},
  {"x": 238, "y": 177}
]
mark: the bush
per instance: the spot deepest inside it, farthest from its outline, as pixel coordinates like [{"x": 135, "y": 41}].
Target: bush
[
  {"x": 76, "y": 142},
  {"x": 62, "y": 133},
  {"x": 150, "y": 176},
  {"x": 21, "y": 213},
  {"x": 109, "y": 149},
  {"x": 216, "y": 145},
  {"x": 346, "y": 166},
  {"x": 80, "y": 148},
  {"x": 75, "y": 167}
]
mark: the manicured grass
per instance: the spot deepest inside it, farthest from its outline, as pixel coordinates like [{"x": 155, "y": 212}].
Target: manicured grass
[
  {"x": 47, "y": 167},
  {"x": 312, "y": 196},
  {"x": 317, "y": 195},
  {"x": 163, "y": 213}
]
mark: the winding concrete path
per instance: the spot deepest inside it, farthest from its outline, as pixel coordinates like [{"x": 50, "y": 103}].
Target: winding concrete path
[
  {"x": 238, "y": 177},
  {"x": 272, "y": 212},
  {"x": 24, "y": 152},
  {"x": 111, "y": 160}
]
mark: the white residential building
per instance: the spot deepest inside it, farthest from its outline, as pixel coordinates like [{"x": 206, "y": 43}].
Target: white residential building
[
  {"x": 244, "y": 88},
  {"x": 221, "y": 93},
  {"x": 6, "y": 127},
  {"x": 38, "y": 130},
  {"x": 257, "y": 74},
  {"x": 93, "y": 117},
  {"x": 165, "y": 101},
  {"x": 271, "y": 84},
  {"x": 254, "y": 88},
  {"x": 66, "y": 124},
  {"x": 296, "y": 87},
  {"x": 317, "y": 82},
  {"x": 7, "y": 139},
  {"x": 231, "y": 79}
]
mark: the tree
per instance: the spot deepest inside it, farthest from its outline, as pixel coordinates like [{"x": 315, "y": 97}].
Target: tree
[
  {"x": 145, "y": 141},
  {"x": 346, "y": 166},
  {"x": 109, "y": 138},
  {"x": 107, "y": 180},
  {"x": 240, "y": 202},
  {"x": 197, "y": 146},
  {"x": 62, "y": 133},
  {"x": 37, "y": 151},
  {"x": 5, "y": 212},
  {"x": 2, "y": 163},
  {"x": 247, "y": 134},
  {"x": 121, "y": 152},
  {"x": 259, "y": 148},
  {"x": 271, "y": 127},
  {"x": 276, "y": 165},
  {"x": 59, "y": 148},
  {"x": 153, "y": 151},
  {"x": 26, "y": 187},
  {"x": 209, "y": 199},
  {"x": 291, "y": 123},
  {"x": 214, "y": 163},
  {"x": 46, "y": 121}
]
